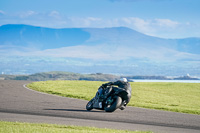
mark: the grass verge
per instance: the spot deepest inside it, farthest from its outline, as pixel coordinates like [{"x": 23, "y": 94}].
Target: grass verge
[
  {"x": 18, "y": 127},
  {"x": 177, "y": 97}
]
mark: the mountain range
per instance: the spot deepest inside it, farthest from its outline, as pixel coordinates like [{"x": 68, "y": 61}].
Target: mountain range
[{"x": 117, "y": 50}]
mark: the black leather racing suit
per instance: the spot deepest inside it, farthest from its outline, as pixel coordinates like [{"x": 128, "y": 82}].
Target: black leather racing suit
[{"x": 121, "y": 85}]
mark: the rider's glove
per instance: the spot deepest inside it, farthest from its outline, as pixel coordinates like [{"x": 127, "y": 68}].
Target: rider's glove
[{"x": 104, "y": 86}]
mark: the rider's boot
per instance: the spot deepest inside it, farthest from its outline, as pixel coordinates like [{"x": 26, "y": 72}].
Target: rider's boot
[{"x": 123, "y": 105}]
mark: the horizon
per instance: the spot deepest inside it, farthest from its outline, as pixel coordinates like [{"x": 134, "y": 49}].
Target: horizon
[{"x": 137, "y": 77}]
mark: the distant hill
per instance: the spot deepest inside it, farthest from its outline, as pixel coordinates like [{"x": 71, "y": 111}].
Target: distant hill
[
  {"x": 58, "y": 75},
  {"x": 118, "y": 50}
]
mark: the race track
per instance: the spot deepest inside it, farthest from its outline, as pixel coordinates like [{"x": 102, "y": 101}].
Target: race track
[{"x": 18, "y": 103}]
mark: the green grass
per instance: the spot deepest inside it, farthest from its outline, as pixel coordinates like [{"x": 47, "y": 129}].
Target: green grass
[
  {"x": 17, "y": 127},
  {"x": 177, "y": 97}
]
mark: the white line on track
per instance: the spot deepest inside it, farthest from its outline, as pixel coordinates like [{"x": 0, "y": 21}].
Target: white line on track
[{"x": 25, "y": 86}]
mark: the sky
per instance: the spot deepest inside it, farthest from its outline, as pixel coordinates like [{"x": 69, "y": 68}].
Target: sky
[{"x": 160, "y": 18}]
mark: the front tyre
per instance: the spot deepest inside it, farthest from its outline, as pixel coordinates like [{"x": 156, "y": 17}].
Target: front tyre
[
  {"x": 89, "y": 105},
  {"x": 116, "y": 104}
]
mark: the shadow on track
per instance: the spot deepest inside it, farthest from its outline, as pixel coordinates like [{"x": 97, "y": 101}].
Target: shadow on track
[{"x": 76, "y": 110}]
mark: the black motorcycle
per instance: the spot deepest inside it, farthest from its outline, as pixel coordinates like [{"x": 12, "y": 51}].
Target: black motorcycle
[{"x": 108, "y": 100}]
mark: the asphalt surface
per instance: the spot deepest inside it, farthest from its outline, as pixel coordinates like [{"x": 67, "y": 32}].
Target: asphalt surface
[{"x": 18, "y": 103}]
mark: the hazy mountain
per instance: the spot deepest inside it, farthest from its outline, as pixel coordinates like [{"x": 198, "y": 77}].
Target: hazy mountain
[
  {"x": 99, "y": 48},
  {"x": 41, "y": 38},
  {"x": 105, "y": 43}
]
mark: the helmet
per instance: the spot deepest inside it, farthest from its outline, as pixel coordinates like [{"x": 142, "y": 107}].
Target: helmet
[{"x": 123, "y": 79}]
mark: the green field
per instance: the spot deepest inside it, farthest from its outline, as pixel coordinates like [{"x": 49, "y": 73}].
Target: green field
[
  {"x": 177, "y": 97},
  {"x": 17, "y": 127}
]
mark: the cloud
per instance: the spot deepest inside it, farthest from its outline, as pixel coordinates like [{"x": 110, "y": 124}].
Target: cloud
[
  {"x": 84, "y": 22},
  {"x": 27, "y": 14},
  {"x": 166, "y": 23},
  {"x": 54, "y": 14},
  {"x": 137, "y": 24}
]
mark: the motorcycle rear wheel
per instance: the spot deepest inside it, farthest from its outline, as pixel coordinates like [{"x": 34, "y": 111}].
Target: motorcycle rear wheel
[{"x": 116, "y": 104}]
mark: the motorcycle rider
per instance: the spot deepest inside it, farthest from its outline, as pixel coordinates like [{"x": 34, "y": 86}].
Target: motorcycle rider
[{"x": 122, "y": 84}]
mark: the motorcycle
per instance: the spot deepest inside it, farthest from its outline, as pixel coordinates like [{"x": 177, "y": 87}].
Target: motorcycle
[{"x": 108, "y": 100}]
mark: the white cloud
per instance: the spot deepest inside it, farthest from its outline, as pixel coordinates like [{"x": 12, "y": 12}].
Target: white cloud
[
  {"x": 27, "y": 14},
  {"x": 137, "y": 24},
  {"x": 166, "y": 23},
  {"x": 54, "y": 14},
  {"x": 83, "y": 22}
]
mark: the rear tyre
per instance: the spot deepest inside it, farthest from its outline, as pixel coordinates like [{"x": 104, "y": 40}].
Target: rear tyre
[
  {"x": 116, "y": 104},
  {"x": 89, "y": 105}
]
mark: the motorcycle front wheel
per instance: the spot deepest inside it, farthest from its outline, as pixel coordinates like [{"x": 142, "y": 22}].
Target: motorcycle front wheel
[
  {"x": 89, "y": 105},
  {"x": 116, "y": 104}
]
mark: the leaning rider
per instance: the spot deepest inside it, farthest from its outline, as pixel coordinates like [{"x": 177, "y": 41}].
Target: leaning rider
[{"x": 122, "y": 84}]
